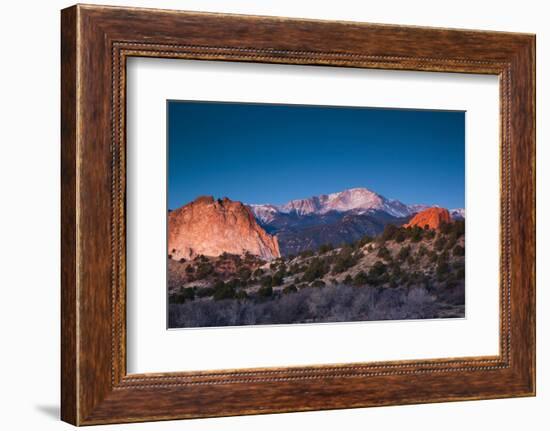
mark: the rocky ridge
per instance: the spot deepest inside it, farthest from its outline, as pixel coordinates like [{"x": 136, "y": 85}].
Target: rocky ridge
[
  {"x": 210, "y": 227},
  {"x": 432, "y": 218}
]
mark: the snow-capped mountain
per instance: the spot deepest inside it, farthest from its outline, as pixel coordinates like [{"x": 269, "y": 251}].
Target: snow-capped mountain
[
  {"x": 337, "y": 218},
  {"x": 458, "y": 213},
  {"x": 356, "y": 200},
  {"x": 264, "y": 213},
  {"x": 416, "y": 208}
]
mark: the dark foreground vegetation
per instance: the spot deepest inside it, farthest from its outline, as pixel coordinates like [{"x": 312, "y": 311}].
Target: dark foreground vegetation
[
  {"x": 404, "y": 273},
  {"x": 334, "y": 304}
]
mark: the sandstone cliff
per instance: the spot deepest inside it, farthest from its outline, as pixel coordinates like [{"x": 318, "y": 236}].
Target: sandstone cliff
[
  {"x": 431, "y": 217},
  {"x": 211, "y": 227}
]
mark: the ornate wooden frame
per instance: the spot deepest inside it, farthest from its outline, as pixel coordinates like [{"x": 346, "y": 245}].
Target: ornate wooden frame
[{"x": 95, "y": 43}]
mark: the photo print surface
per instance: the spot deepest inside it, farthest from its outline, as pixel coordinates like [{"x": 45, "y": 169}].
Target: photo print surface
[{"x": 298, "y": 214}]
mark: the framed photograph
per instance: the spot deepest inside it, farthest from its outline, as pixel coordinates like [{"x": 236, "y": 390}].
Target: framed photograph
[
  {"x": 342, "y": 253},
  {"x": 267, "y": 215}
]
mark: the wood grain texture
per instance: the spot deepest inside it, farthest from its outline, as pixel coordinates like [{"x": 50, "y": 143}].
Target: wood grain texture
[
  {"x": 69, "y": 397},
  {"x": 96, "y": 41}
]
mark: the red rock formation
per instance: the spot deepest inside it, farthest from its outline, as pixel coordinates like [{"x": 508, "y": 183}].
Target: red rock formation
[
  {"x": 431, "y": 217},
  {"x": 212, "y": 227}
]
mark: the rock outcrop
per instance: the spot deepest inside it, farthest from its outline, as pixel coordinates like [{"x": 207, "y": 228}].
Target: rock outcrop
[
  {"x": 431, "y": 217},
  {"x": 211, "y": 227}
]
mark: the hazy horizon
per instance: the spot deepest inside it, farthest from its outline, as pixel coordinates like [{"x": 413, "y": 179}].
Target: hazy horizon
[{"x": 272, "y": 154}]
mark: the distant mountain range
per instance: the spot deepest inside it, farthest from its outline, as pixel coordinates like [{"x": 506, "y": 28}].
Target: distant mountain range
[
  {"x": 335, "y": 218},
  {"x": 211, "y": 226},
  {"x": 357, "y": 200}
]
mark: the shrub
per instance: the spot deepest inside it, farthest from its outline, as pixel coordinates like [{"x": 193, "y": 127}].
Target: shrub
[
  {"x": 325, "y": 248},
  {"x": 189, "y": 269},
  {"x": 223, "y": 291},
  {"x": 265, "y": 292},
  {"x": 442, "y": 269},
  {"x": 183, "y": 295},
  {"x": 249, "y": 256},
  {"x": 445, "y": 228},
  {"x": 393, "y": 280},
  {"x": 176, "y": 299},
  {"x": 204, "y": 292},
  {"x": 306, "y": 253},
  {"x": 295, "y": 269},
  {"x": 360, "y": 279},
  {"x": 378, "y": 269},
  {"x": 390, "y": 230},
  {"x": 290, "y": 289},
  {"x": 399, "y": 236},
  {"x": 415, "y": 234},
  {"x": 458, "y": 250},
  {"x": 348, "y": 280},
  {"x": 266, "y": 281},
  {"x": 204, "y": 270},
  {"x": 188, "y": 293},
  {"x": 404, "y": 253},
  {"x": 440, "y": 243},
  {"x": 450, "y": 283},
  {"x": 458, "y": 264},
  {"x": 459, "y": 228},
  {"x": 344, "y": 260},
  {"x": 396, "y": 269},
  {"x": 244, "y": 273},
  {"x": 318, "y": 283},
  {"x": 384, "y": 253},
  {"x": 316, "y": 269},
  {"x": 259, "y": 272},
  {"x": 363, "y": 241},
  {"x": 235, "y": 283},
  {"x": 415, "y": 276},
  {"x": 428, "y": 233},
  {"x": 443, "y": 257},
  {"x": 277, "y": 278},
  {"x": 453, "y": 236},
  {"x": 241, "y": 294}
]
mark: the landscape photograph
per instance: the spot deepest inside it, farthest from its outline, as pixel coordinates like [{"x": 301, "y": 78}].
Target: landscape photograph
[{"x": 301, "y": 214}]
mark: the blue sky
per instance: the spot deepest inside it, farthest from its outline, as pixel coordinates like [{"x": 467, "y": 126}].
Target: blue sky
[{"x": 264, "y": 153}]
